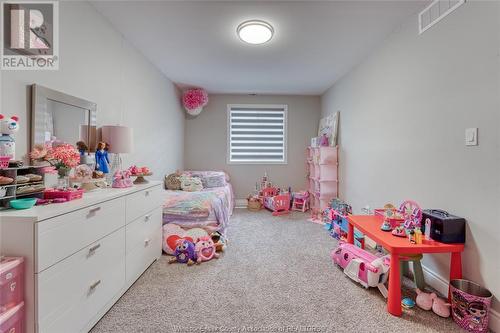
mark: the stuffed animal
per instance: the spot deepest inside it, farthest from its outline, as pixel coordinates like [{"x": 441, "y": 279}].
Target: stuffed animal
[
  {"x": 172, "y": 233},
  {"x": 184, "y": 253},
  {"x": 7, "y": 129},
  {"x": 219, "y": 241},
  {"x": 205, "y": 249}
]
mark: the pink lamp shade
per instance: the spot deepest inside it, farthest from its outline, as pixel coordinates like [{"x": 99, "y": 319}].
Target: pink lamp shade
[{"x": 120, "y": 138}]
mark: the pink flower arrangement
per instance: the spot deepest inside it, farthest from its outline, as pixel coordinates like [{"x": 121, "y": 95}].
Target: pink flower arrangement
[
  {"x": 64, "y": 155},
  {"x": 194, "y": 100},
  {"x": 39, "y": 152}
]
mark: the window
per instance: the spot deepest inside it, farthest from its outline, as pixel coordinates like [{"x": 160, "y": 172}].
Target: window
[{"x": 257, "y": 133}]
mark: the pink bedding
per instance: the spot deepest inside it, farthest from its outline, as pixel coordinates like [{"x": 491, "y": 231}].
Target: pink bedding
[{"x": 208, "y": 209}]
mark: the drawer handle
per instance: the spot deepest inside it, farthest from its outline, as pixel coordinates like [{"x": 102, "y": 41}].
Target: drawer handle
[
  {"x": 146, "y": 193},
  {"x": 147, "y": 217},
  {"x": 146, "y": 242},
  {"x": 94, "y": 210},
  {"x": 93, "y": 249},
  {"x": 94, "y": 285}
]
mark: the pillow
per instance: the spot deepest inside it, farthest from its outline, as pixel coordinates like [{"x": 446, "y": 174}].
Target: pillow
[
  {"x": 207, "y": 173},
  {"x": 173, "y": 182},
  {"x": 191, "y": 184},
  {"x": 213, "y": 181}
]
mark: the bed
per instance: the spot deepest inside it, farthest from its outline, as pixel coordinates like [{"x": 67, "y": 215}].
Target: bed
[{"x": 208, "y": 209}]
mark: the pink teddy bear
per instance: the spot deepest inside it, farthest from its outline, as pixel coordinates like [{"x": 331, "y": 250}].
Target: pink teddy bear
[{"x": 430, "y": 301}]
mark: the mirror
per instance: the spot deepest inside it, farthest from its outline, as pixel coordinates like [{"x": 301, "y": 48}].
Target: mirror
[{"x": 58, "y": 117}]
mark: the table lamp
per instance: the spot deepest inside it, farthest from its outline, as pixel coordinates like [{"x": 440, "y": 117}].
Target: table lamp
[{"x": 120, "y": 140}]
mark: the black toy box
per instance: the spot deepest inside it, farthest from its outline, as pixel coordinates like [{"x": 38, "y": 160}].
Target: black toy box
[{"x": 444, "y": 227}]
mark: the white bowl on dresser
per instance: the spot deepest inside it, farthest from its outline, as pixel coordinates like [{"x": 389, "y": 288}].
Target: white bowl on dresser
[{"x": 81, "y": 256}]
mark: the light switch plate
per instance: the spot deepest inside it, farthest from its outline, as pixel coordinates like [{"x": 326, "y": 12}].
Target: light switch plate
[{"x": 471, "y": 137}]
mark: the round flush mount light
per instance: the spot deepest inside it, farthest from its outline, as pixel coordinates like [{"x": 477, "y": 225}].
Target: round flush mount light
[{"x": 255, "y": 32}]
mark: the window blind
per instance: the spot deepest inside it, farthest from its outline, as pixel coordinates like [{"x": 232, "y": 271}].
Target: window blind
[{"x": 257, "y": 133}]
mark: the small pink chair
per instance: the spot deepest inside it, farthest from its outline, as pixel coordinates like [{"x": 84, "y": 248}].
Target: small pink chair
[{"x": 301, "y": 201}]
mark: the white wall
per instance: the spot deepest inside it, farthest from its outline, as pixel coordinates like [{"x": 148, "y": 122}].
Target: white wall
[
  {"x": 99, "y": 65},
  {"x": 206, "y": 141},
  {"x": 403, "y": 115}
]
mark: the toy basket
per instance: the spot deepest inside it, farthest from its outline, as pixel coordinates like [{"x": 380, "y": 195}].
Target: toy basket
[
  {"x": 57, "y": 194},
  {"x": 4, "y": 162},
  {"x": 254, "y": 205}
]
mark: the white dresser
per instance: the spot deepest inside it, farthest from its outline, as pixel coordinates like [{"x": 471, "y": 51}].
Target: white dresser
[{"x": 81, "y": 256}]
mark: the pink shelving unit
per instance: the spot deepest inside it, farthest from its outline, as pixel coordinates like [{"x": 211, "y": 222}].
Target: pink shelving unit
[{"x": 322, "y": 177}]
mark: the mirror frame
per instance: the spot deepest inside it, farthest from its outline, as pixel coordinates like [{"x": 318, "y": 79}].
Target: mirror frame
[{"x": 39, "y": 97}]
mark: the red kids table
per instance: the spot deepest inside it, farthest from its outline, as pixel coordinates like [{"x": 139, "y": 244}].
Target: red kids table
[{"x": 398, "y": 246}]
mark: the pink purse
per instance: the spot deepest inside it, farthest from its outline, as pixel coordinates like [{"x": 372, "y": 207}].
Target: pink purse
[{"x": 121, "y": 179}]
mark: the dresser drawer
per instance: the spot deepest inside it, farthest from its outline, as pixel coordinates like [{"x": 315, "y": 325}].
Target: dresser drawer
[
  {"x": 142, "y": 202},
  {"x": 143, "y": 240},
  {"x": 60, "y": 237},
  {"x": 73, "y": 291}
]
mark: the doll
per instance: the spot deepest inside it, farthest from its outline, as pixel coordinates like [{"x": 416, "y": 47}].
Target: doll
[
  {"x": 101, "y": 158},
  {"x": 82, "y": 147}
]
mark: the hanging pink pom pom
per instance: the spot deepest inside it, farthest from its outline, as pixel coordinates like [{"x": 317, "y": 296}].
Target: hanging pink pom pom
[{"x": 194, "y": 100}]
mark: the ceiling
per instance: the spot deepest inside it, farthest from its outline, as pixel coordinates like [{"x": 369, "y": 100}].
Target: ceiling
[{"x": 315, "y": 42}]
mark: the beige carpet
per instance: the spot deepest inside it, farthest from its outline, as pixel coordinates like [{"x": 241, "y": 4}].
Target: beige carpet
[{"x": 277, "y": 276}]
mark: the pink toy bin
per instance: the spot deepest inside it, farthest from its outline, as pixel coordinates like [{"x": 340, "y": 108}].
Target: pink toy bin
[
  {"x": 470, "y": 305},
  {"x": 11, "y": 282},
  {"x": 12, "y": 321}
]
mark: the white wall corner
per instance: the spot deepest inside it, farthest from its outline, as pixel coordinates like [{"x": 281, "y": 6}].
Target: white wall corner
[{"x": 440, "y": 284}]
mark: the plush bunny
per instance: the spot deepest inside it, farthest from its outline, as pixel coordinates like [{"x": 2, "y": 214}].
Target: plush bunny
[
  {"x": 425, "y": 300},
  {"x": 184, "y": 253},
  {"x": 7, "y": 129},
  {"x": 440, "y": 306}
]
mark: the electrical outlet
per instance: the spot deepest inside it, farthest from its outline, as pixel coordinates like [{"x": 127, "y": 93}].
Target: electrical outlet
[{"x": 471, "y": 137}]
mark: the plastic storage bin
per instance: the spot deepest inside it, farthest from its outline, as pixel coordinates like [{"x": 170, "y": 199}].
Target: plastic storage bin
[
  {"x": 64, "y": 194},
  {"x": 11, "y": 282},
  {"x": 12, "y": 321}
]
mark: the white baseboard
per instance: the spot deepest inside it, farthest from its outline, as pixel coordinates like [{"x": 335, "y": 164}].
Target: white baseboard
[
  {"x": 441, "y": 285},
  {"x": 240, "y": 203}
]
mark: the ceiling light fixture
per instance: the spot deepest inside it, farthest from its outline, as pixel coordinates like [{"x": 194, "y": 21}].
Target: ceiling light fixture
[{"x": 255, "y": 32}]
